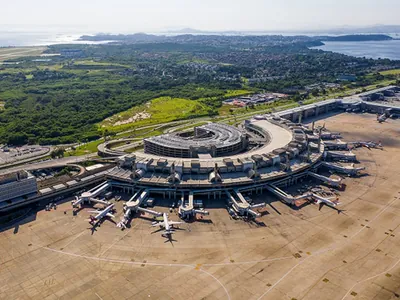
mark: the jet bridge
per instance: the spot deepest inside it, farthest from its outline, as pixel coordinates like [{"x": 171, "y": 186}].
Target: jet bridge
[
  {"x": 89, "y": 196},
  {"x": 99, "y": 189},
  {"x": 137, "y": 199},
  {"x": 326, "y": 135},
  {"x": 186, "y": 208},
  {"x": 133, "y": 206},
  {"x": 289, "y": 199},
  {"x": 336, "y": 145},
  {"x": 330, "y": 181},
  {"x": 349, "y": 170},
  {"x": 339, "y": 155},
  {"x": 241, "y": 206}
]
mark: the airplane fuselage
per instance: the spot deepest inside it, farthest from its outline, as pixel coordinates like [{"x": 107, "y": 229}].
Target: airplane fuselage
[
  {"x": 102, "y": 213},
  {"x": 166, "y": 224}
]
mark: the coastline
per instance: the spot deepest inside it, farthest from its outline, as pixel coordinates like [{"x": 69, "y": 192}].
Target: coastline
[{"x": 389, "y": 49}]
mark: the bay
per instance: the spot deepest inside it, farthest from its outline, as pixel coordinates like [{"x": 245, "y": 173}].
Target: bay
[{"x": 372, "y": 49}]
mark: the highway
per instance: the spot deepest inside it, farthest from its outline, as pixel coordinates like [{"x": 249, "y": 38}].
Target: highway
[{"x": 49, "y": 163}]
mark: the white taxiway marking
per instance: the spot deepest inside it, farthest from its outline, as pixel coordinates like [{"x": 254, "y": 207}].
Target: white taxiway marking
[
  {"x": 98, "y": 296},
  {"x": 328, "y": 249},
  {"x": 74, "y": 239}
]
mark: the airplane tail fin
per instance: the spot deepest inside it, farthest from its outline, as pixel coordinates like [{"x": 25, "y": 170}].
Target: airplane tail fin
[
  {"x": 121, "y": 225},
  {"x": 92, "y": 219}
]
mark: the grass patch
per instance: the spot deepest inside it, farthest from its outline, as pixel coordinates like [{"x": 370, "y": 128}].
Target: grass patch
[
  {"x": 12, "y": 94},
  {"x": 390, "y": 72},
  {"x": 194, "y": 60},
  {"x": 159, "y": 110},
  {"x": 97, "y": 64},
  {"x": 227, "y": 110},
  {"x": 4, "y": 69},
  {"x": 56, "y": 67},
  {"x": 87, "y": 148},
  {"x": 235, "y": 93}
]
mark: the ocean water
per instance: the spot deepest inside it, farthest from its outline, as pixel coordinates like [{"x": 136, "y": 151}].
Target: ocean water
[
  {"x": 26, "y": 38},
  {"x": 373, "y": 49}
]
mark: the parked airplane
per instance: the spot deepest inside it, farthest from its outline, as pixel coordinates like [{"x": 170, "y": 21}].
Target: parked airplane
[
  {"x": 166, "y": 224},
  {"x": 368, "y": 144},
  {"x": 101, "y": 214},
  {"x": 381, "y": 118},
  {"x": 371, "y": 144},
  {"x": 326, "y": 201},
  {"x": 321, "y": 200}
]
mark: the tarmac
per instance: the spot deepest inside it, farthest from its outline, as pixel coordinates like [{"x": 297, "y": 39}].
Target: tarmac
[{"x": 303, "y": 253}]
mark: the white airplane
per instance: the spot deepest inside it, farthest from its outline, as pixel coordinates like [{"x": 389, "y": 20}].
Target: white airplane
[
  {"x": 77, "y": 201},
  {"x": 100, "y": 214},
  {"x": 371, "y": 144},
  {"x": 381, "y": 118},
  {"x": 168, "y": 225},
  {"x": 326, "y": 201}
]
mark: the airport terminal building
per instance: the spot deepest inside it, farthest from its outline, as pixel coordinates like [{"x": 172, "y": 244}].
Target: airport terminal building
[
  {"x": 17, "y": 184},
  {"x": 217, "y": 159},
  {"x": 212, "y": 139}
]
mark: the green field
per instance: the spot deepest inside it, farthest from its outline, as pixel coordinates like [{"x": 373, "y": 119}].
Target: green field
[
  {"x": 236, "y": 93},
  {"x": 162, "y": 110},
  {"x": 97, "y": 64},
  {"x": 159, "y": 110},
  {"x": 87, "y": 148},
  {"x": 390, "y": 72}
]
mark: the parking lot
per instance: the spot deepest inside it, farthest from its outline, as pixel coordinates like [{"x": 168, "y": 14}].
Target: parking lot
[{"x": 13, "y": 154}]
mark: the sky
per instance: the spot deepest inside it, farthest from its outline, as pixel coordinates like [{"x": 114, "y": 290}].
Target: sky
[{"x": 214, "y": 15}]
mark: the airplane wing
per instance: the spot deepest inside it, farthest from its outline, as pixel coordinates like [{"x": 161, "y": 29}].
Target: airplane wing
[
  {"x": 110, "y": 215},
  {"x": 174, "y": 223},
  {"x": 157, "y": 224},
  {"x": 94, "y": 211}
]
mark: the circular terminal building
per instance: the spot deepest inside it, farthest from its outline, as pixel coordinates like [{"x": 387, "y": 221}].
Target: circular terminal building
[
  {"x": 218, "y": 157},
  {"x": 210, "y": 140}
]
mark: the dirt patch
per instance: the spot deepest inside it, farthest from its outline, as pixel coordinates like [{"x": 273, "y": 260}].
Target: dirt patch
[{"x": 137, "y": 117}]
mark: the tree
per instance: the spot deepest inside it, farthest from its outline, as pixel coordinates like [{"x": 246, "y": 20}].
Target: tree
[
  {"x": 106, "y": 133},
  {"x": 17, "y": 139},
  {"x": 57, "y": 152}
]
